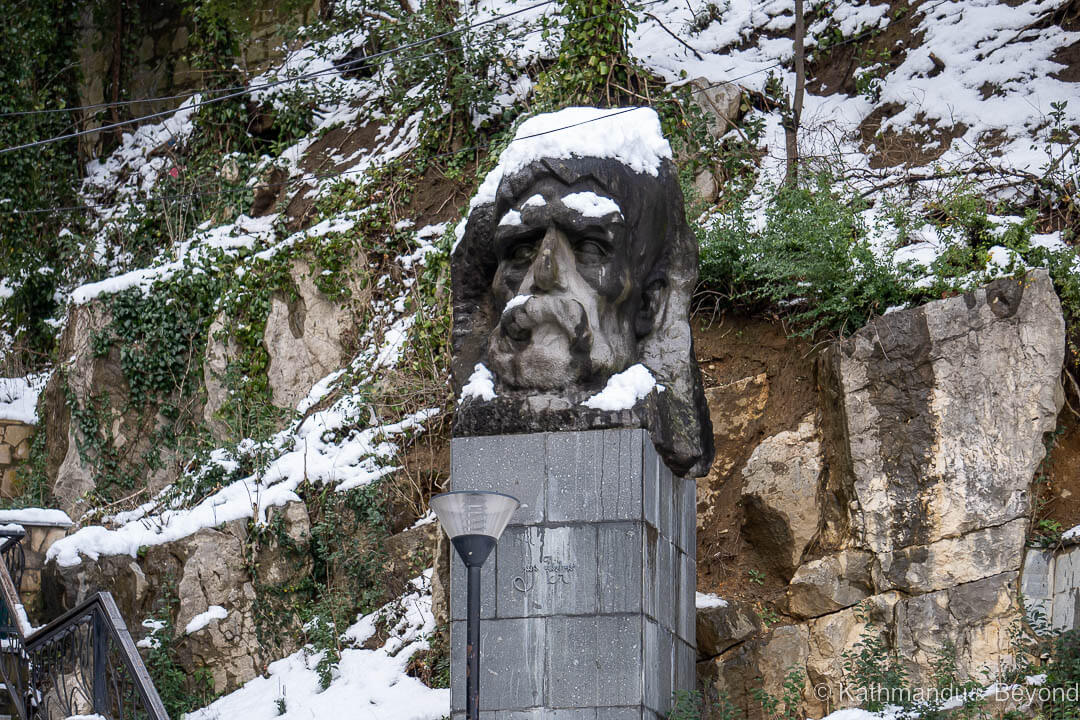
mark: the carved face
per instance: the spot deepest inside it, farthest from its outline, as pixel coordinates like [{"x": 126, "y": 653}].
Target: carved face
[{"x": 571, "y": 298}]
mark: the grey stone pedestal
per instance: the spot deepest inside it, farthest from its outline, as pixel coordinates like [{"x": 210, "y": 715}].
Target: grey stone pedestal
[{"x": 588, "y": 601}]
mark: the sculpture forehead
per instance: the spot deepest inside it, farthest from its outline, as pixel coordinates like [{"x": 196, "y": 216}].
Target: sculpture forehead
[{"x": 635, "y": 193}]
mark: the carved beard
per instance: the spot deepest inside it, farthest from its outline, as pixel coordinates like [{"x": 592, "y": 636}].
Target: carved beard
[
  {"x": 548, "y": 343},
  {"x": 544, "y": 343}
]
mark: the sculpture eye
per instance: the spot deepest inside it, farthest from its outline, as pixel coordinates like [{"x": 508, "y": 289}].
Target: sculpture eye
[
  {"x": 523, "y": 251},
  {"x": 591, "y": 250}
]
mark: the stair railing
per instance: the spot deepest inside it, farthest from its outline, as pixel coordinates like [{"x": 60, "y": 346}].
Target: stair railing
[{"x": 82, "y": 662}]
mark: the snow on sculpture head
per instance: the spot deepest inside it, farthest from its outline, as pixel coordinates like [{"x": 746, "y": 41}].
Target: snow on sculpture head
[{"x": 573, "y": 277}]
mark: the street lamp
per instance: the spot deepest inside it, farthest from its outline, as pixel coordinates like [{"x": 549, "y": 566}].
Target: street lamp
[{"x": 474, "y": 521}]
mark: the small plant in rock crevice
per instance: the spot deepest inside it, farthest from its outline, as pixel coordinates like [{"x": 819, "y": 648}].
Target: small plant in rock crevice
[
  {"x": 180, "y": 691},
  {"x": 789, "y": 704},
  {"x": 872, "y": 669}
]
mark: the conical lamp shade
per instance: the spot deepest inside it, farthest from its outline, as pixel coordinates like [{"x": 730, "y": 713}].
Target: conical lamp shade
[{"x": 466, "y": 512}]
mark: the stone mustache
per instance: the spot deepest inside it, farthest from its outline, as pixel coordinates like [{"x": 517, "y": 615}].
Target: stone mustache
[{"x": 572, "y": 280}]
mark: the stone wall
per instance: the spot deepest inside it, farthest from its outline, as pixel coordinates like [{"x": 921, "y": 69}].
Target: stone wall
[
  {"x": 1050, "y": 584},
  {"x": 38, "y": 540},
  {"x": 15, "y": 439}
]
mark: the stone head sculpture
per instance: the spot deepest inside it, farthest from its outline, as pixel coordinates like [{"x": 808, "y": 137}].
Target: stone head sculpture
[{"x": 572, "y": 280}]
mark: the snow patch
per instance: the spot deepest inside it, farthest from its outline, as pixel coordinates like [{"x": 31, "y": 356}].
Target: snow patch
[
  {"x": 591, "y": 205},
  {"x": 512, "y": 218},
  {"x": 200, "y": 621},
  {"x": 481, "y": 384},
  {"x": 515, "y": 301},
  {"x": 708, "y": 600},
  {"x": 375, "y": 681},
  {"x": 151, "y": 640},
  {"x": 624, "y": 389},
  {"x": 318, "y": 391},
  {"x": 630, "y": 135},
  {"x": 19, "y": 396}
]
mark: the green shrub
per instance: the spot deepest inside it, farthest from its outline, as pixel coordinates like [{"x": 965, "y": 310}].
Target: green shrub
[
  {"x": 788, "y": 705},
  {"x": 872, "y": 669},
  {"x": 1063, "y": 677},
  {"x": 179, "y": 691},
  {"x": 811, "y": 262}
]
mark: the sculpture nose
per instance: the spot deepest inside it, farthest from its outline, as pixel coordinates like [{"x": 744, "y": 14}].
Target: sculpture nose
[{"x": 545, "y": 268}]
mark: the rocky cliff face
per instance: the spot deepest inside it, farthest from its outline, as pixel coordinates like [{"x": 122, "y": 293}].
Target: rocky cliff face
[
  {"x": 904, "y": 499},
  {"x": 887, "y": 485},
  {"x": 223, "y": 567}
]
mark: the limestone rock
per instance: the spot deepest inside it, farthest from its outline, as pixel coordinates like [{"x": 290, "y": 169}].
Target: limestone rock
[
  {"x": 722, "y": 104},
  {"x": 973, "y": 618},
  {"x": 98, "y": 380},
  {"x": 933, "y": 428},
  {"x": 832, "y": 636},
  {"x": 208, "y": 568},
  {"x": 829, "y": 584},
  {"x": 85, "y": 371},
  {"x": 761, "y": 663},
  {"x": 945, "y": 406},
  {"x": 737, "y": 406},
  {"x": 721, "y": 627},
  {"x": 220, "y": 350},
  {"x": 440, "y": 581},
  {"x": 706, "y": 185},
  {"x": 954, "y": 561},
  {"x": 409, "y": 553},
  {"x": 214, "y": 574},
  {"x": 74, "y": 478},
  {"x": 303, "y": 338},
  {"x": 782, "y": 480}
]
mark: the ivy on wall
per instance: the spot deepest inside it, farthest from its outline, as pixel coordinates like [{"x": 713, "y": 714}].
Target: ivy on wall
[{"x": 37, "y": 70}]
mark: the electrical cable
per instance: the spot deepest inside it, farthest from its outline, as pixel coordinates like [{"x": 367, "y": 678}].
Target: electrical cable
[
  {"x": 324, "y": 176},
  {"x": 336, "y": 68},
  {"x": 471, "y": 148},
  {"x": 276, "y": 83}
]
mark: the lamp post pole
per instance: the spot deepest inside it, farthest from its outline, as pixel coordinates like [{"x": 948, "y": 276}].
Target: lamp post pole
[
  {"x": 472, "y": 648},
  {"x": 474, "y": 521},
  {"x": 474, "y": 550}
]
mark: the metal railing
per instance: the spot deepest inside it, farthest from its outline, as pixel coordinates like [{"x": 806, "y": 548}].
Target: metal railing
[{"x": 82, "y": 662}]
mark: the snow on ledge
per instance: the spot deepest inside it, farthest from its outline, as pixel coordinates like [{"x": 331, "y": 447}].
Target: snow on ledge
[
  {"x": 624, "y": 389},
  {"x": 19, "y": 396},
  {"x": 481, "y": 384},
  {"x": 708, "y": 600},
  {"x": 304, "y": 454},
  {"x": 36, "y": 516},
  {"x": 200, "y": 621}
]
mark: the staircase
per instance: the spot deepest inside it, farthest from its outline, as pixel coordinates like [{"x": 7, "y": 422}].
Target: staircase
[{"x": 83, "y": 662}]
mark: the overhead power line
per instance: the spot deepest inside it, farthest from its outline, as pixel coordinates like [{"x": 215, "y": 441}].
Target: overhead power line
[
  {"x": 471, "y": 148},
  {"x": 276, "y": 83},
  {"x": 325, "y": 176}
]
